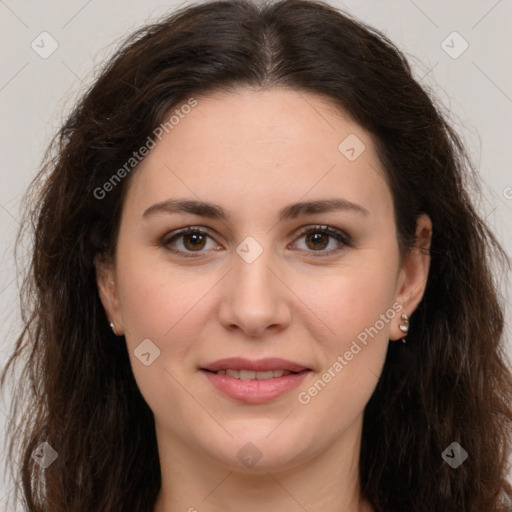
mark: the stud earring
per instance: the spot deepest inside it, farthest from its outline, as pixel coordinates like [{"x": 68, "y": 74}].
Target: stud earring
[
  {"x": 404, "y": 326},
  {"x": 113, "y": 327}
]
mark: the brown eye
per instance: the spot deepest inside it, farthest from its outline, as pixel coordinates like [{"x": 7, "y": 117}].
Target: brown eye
[
  {"x": 318, "y": 238},
  {"x": 188, "y": 241},
  {"x": 194, "y": 241}
]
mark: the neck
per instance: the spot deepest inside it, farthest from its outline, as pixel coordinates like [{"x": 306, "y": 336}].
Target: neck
[{"x": 327, "y": 482}]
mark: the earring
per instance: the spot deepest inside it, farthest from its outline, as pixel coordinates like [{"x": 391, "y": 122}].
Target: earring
[
  {"x": 404, "y": 326},
  {"x": 113, "y": 327}
]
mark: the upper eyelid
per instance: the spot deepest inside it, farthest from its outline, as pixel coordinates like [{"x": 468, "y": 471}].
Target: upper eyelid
[{"x": 299, "y": 233}]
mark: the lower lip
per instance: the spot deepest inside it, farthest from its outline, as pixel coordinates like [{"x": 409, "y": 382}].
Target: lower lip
[{"x": 255, "y": 391}]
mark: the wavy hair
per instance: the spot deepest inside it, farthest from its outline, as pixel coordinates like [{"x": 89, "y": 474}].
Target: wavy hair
[{"x": 76, "y": 391}]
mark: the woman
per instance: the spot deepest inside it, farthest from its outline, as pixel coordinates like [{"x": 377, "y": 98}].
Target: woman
[{"x": 258, "y": 281}]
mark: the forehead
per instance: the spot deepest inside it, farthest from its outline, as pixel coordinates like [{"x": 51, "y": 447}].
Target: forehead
[
  {"x": 261, "y": 145},
  {"x": 277, "y": 122}
]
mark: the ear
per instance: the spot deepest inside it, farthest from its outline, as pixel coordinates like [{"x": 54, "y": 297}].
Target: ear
[
  {"x": 106, "y": 282},
  {"x": 412, "y": 277}
]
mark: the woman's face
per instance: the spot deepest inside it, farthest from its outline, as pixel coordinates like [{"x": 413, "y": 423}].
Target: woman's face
[{"x": 249, "y": 284}]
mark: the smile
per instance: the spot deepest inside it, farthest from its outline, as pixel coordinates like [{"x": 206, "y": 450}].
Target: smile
[{"x": 252, "y": 375}]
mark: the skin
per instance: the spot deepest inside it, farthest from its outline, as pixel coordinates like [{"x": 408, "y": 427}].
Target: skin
[{"x": 253, "y": 152}]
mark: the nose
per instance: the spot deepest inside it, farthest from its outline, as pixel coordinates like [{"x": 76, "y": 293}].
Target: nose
[{"x": 255, "y": 296}]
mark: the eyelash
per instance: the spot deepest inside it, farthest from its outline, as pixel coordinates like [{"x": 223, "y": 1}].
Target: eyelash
[{"x": 338, "y": 235}]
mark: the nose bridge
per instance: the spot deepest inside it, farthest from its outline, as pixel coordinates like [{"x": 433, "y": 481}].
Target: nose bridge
[
  {"x": 255, "y": 297},
  {"x": 251, "y": 273}
]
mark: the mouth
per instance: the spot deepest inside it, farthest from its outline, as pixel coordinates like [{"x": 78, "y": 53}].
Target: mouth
[
  {"x": 253, "y": 375},
  {"x": 255, "y": 382}
]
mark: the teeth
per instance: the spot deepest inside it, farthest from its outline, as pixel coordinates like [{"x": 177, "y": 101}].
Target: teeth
[
  {"x": 233, "y": 373},
  {"x": 252, "y": 375},
  {"x": 262, "y": 375},
  {"x": 247, "y": 375}
]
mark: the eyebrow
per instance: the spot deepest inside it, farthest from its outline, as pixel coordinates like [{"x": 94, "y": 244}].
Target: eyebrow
[{"x": 292, "y": 211}]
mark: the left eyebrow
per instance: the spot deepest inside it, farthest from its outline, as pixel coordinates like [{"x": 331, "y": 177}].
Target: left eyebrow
[
  {"x": 295, "y": 210},
  {"x": 290, "y": 211}
]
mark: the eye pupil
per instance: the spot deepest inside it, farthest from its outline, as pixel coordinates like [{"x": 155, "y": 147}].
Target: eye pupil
[
  {"x": 317, "y": 238},
  {"x": 197, "y": 240}
]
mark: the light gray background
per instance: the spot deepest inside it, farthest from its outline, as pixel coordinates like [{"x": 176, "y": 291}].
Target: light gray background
[{"x": 35, "y": 94}]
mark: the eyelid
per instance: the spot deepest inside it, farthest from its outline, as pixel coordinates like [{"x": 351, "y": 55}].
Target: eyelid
[
  {"x": 332, "y": 231},
  {"x": 341, "y": 236},
  {"x": 177, "y": 233}
]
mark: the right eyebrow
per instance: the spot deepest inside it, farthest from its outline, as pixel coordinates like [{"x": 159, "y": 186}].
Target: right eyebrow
[{"x": 291, "y": 211}]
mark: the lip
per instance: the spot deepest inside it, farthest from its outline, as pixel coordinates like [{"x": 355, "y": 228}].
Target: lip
[
  {"x": 261, "y": 365},
  {"x": 255, "y": 391}
]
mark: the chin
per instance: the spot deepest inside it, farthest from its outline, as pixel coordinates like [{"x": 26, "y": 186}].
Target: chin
[{"x": 256, "y": 451}]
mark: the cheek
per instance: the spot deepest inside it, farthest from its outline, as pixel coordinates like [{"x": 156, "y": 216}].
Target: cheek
[
  {"x": 167, "y": 308},
  {"x": 356, "y": 305},
  {"x": 162, "y": 303},
  {"x": 349, "y": 300}
]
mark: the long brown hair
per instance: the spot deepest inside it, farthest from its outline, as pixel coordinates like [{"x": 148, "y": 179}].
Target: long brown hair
[{"x": 76, "y": 392}]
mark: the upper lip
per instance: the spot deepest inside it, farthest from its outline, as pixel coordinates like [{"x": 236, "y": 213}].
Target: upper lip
[{"x": 260, "y": 365}]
